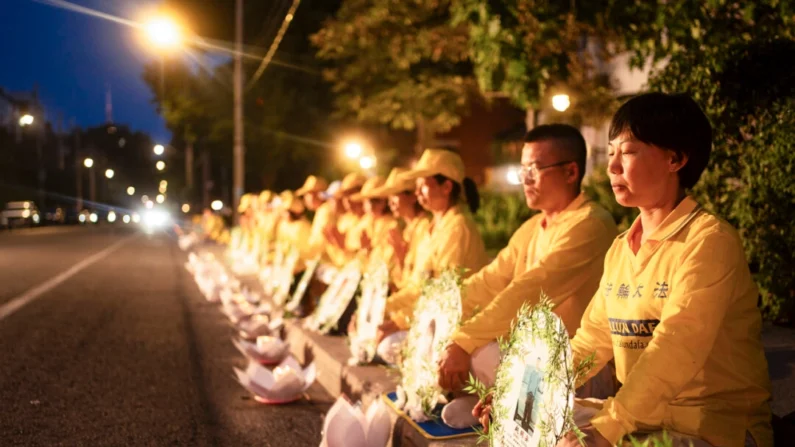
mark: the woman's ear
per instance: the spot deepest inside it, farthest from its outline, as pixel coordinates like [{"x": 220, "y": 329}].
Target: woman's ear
[{"x": 677, "y": 161}]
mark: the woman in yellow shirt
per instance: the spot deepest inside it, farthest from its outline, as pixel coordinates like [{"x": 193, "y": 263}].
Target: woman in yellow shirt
[
  {"x": 294, "y": 228},
  {"x": 676, "y": 307},
  {"x": 452, "y": 240},
  {"x": 413, "y": 223}
]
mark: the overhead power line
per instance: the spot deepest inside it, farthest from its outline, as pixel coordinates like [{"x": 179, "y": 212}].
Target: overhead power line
[{"x": 275, "y": 45}]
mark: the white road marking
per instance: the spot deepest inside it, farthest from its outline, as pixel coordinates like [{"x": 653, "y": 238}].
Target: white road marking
[{"x": 20, "y": 301}]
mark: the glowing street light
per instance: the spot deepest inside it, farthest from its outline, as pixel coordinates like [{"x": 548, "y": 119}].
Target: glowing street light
[
  {"x": 512, "y": 177},
  {"x": 353, "y": 150},
  {"x": 217, "y": 205},
  {"x": 163, "y": 32},
  {"x": 126, "y": 218},
  {"x": 88, "y": 162},
  {"x": 159, "y": 149},
  {"x": 160, "y": 165},
  {"x": 367, "y": 162},
  {"x": 561, "y": 102},
  {"x": 150, "y": 204},
  {"x": 185, "y": 208},
  {"x": 26, "y": 120},
  {"x": 130, "y": 190},
  {"x": 160, "y": 198},
  {"x": 109, "y": 173}
]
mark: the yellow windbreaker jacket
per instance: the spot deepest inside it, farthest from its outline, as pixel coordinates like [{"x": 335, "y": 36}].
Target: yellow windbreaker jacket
[{"x": 679, "y": 314}]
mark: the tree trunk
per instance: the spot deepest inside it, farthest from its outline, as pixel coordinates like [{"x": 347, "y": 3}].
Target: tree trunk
[
  {"x": 189, "y": 166},
  {"x": 205, "y": 178}
]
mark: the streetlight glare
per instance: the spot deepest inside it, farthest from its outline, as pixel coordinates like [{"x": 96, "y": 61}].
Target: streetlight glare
[
  {"x": 185, "y": 208},
  {"x": 512, "y": 177},
  {"x": 561, "y": 102},
  {"x": 217, "y": 205},
  {"x": 109, "y": 173},
  {"x": 160, "y": 165},
  {"x": 163, "y": 32},
  {"x": 130, "y": 190},
  {"x": 353, "y": 150},
  {"x": 26, "y": 120},
  {"x": 367, "y": 162},
  {"x": 88, "y": 162},
  {"x": 160, "y": 198},
  {"x": 159, "y": 149}
]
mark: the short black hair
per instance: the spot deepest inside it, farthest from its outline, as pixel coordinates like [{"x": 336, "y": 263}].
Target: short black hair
[
  {"x": 669, "y": 121},
  {"x": 570, "y": 139}
]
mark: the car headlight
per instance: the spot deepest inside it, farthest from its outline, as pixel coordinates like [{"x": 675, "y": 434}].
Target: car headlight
[
  {"x": 156, "y": 218},
  {"x": 26, "y": 214},
  {"x": 111, "y": 217},
  {"x": 82, "y": 218},
  {"x": 93, "y": 218}
]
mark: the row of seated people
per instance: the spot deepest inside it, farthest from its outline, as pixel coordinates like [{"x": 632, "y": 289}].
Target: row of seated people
[{"x": 668, "y": 307}]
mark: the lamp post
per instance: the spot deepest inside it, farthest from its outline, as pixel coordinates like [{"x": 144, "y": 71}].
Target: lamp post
[{"x": 92, "y": 179}]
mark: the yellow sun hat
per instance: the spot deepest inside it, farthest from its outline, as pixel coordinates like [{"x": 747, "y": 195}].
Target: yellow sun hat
[
  {"x": 291, "y": 202},
  {"x": 351, "y": 181},
  {"x": 312, "y": 184},
  {"x": 438, "y": 161},
  {"x": 396, "y": 183},
  {"x": 369, "y": 189}
]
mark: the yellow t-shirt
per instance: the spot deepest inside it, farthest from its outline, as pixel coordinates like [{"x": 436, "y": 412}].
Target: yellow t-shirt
[
  {"x": 378, "y": 231},
  {"x": 452, "y": 242},
  {"x": 324, "y": 216},
  {"x": 294, "y": 233},
  {"x": 678, "y": 313},
  {"x": 413, "y": 234},
  {"x": 563, "y": 257},
  {"x": 349, "y": 225}
]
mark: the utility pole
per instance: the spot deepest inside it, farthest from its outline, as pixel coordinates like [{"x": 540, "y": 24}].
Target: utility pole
[{"x": 238, "y": 174}]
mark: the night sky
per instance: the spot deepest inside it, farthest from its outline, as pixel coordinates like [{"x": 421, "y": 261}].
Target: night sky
[{"x": 72, "y": 57}]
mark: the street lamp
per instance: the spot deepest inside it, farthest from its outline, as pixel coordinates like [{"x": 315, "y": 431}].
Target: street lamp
[
  {"x": 159, "y": 149},
  {"x": 217, "y": 205},
  {"x": 160, "y": 165},
  {"x": 109, "y": 173},
  {"x": 160, "y": 198},
  {"x": 367, "y": 162},
  {"x": 353, "y": 150},
  {"x": 130, "y": 190},
  {"x": 561, "y": 102},
  {"x": 163, "y": 32},
  {"x": 88, "y": 162},
  {"x": 185, "y": 208},
  {"x": 26, "y": 120}
]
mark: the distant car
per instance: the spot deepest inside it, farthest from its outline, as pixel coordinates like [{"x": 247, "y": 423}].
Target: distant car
[
  {"x": 21, "y": 213},
  {"x": 55, "y": 216}
]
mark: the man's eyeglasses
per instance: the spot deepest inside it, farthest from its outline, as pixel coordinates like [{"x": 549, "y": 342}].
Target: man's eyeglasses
[{"x": 531, "y": 172}]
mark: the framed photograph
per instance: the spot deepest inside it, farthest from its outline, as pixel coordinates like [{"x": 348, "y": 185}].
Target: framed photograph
[
  {"x": 370, "y": 311},
  {"x": 437, "y": 315},
  {"x": 335, "y": 299},
  {"x": 534, "y": 388}
]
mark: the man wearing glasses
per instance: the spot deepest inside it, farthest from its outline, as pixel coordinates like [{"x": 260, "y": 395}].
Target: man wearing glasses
[{"x": 559, "y": 251}]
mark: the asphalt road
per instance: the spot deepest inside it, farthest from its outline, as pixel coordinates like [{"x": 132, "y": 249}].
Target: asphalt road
[{"x": 105, "y": 340}]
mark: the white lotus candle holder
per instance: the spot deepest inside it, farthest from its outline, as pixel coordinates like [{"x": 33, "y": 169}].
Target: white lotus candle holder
[
  {"x": 267, "y": 350},
  {"x": 347, "y": 426},
  {"x": 286, "y": 383}
]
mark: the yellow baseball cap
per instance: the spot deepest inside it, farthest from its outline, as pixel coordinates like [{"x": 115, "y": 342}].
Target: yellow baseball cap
[
  {"x": 290, "y": 202},
  {"x": 265, "y": 197},
  {"x": 312, "y": 184},
  {"x": 438, "y": 161},
  {"x": 369, "y": 189},
  {"x": 351, "y": 181},
  {"x": 245, "y": 203},
  {"x": 396, "y": 183}
]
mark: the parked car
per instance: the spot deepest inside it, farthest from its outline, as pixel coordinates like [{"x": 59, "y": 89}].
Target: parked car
[{"x": 20, "y": 213}]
